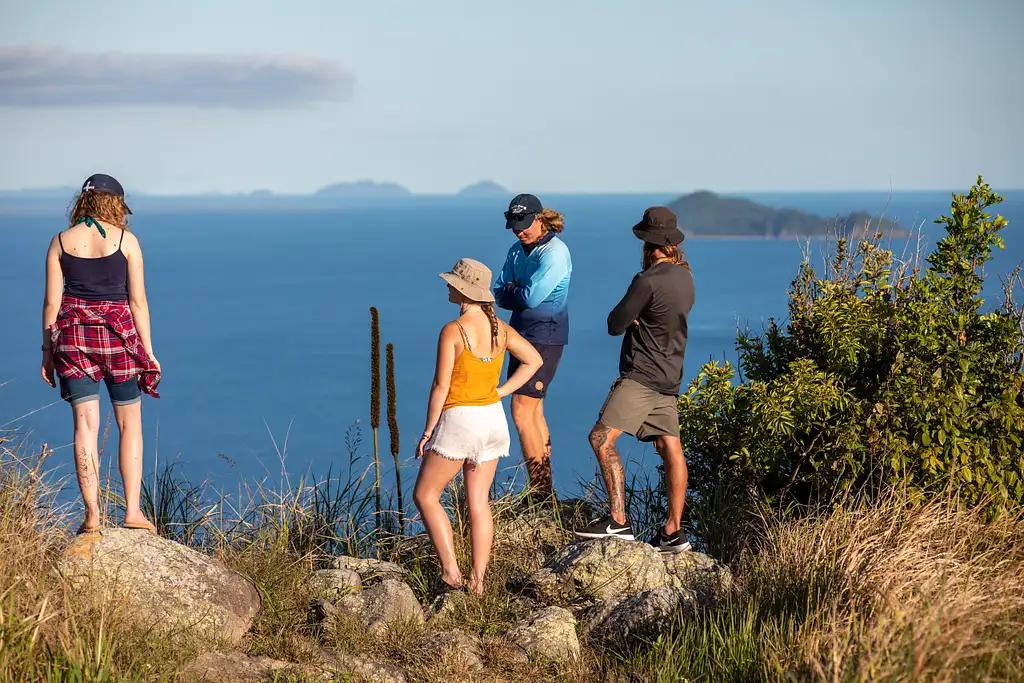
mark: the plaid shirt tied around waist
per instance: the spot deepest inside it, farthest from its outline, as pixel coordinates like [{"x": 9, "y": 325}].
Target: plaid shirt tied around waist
[{"x": 98, "y": 339}]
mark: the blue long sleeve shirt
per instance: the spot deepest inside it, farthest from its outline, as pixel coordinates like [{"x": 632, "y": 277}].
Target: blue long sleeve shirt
[{"x": 534, "y": 285}]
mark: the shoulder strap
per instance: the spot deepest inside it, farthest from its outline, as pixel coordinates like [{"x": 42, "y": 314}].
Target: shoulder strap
[
  {"x": 465, "y": 339},
  {"x": 122, "y": 240},
  {"x": 60, "y": 241}
]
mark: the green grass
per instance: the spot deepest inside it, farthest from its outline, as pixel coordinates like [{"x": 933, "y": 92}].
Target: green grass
[{"x": 881, "y": 592}]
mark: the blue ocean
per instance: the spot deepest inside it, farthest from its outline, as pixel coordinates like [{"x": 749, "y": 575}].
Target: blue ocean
[{"x": 261, "y": 317}]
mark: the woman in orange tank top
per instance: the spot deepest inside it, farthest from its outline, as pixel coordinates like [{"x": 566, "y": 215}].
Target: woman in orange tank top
[{"x": 466, "y": 428}]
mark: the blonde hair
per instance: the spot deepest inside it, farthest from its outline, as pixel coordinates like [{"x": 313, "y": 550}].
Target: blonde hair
[
  {"x": 100, "y": 206},
  {"x": 488, "y": 310},
  {"x": 671, "y": 254},
  {"x": 551, "y": 220}
]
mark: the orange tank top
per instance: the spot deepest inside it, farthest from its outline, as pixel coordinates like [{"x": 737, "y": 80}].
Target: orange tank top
[{"x": 474, "y": 380}]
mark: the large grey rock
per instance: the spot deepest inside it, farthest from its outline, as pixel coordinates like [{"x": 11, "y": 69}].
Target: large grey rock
[
  {"x": 167, "y": 585},
  {"x": 385, "y": 603},
  {"x": 370, "y": 570},
  {"x": 334, "y": 584},
  {"x": 355, "y": 667},
  {"x": 547, "y": 634},
  {"x": 454, "y": 645},
  {"x": 616, "y": 621},
  {"x": 236, "y": 667},
  {"x": 449, "y": 604},
  {"x": 599, "y": 569},
  {"x": 699, "y": 573}
]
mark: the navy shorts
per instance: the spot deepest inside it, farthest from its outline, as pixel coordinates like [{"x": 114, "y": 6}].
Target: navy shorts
[
  {"x": 82, "y": 389},
  {"x": 538, "y": 385}
]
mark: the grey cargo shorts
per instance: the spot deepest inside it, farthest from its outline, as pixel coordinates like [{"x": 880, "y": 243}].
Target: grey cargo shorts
[{"x": 644, "y": 413}]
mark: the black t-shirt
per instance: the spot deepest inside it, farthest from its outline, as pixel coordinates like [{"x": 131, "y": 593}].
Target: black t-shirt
[{"x": 659, "y": 299}]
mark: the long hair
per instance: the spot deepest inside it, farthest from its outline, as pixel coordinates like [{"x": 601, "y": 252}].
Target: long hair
[
  {"x": 551, "y": 220},
  {"x": 101, "y": 206},
  {"x": 670, "y": 254},
  {"x": 488, "y": 310}
]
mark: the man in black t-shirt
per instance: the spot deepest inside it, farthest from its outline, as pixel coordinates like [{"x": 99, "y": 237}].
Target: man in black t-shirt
[{"x": 642, "y": 401}]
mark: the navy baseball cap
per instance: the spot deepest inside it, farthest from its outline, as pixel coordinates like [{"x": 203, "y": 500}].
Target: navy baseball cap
[
  {"x": 521, "y": 212},
  {"x": 101, "y": 182}
]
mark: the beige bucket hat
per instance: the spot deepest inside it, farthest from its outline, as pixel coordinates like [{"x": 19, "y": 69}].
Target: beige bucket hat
[{"x": 472, "y": 279}]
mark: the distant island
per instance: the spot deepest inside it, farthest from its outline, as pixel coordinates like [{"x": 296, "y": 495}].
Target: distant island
[
  {"x": 705, "y": 214},
  {"x": 485, "y": 188},
  {"x": 363, "y": 188}
]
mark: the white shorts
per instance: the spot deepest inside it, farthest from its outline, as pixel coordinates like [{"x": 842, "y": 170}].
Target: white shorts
[{"x": 475, "y": 434}]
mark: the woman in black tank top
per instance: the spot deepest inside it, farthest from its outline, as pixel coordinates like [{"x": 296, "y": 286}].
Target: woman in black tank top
[{"x": 96, "y": 328}]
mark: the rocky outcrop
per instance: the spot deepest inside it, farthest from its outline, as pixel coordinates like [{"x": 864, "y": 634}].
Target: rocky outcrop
[
  {"x": 369, "y": 570},
  {"x": 702, "y": 575},
  {"x": 547, "y": 634},
  {"x": 454, "y": 645},
  {"x": 166, "y": 585},
  {"x": 385, "y": 603},
  {"x": 334, "y": 584},
  {"x": 353, "y": 667},
  {"x": 615, "y": 621},
  {"x": 449, "y": 604},
  {"x": 599, "y": 569},
  {"x": 236, "y": 667}
]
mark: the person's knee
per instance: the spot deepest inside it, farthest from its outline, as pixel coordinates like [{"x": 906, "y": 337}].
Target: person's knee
[
  {"x": 602, "y": 437},
  {"x": 128, "y": 418},
  {"x": 420, "y": 497},
  {"x": 424, "y": 495},
  {"x": 87, "y": 418},
  {"x": 479, "y": 506},
  {"x": 524, "y": 410},
  {"x": 669, "y": 447}
]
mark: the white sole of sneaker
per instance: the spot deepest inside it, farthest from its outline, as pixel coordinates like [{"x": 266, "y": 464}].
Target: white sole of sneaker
[
  {"x": 672, "y": 550},
  {"x": 624, "y": 537}
]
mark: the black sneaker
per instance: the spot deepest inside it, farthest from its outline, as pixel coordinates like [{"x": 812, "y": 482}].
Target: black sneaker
[
  {"x": 676, "y": 543},
  {"x": 606, "y": 527}
]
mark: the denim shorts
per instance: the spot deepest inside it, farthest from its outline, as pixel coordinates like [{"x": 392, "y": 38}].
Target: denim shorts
[{"x": 82, "y": 389}]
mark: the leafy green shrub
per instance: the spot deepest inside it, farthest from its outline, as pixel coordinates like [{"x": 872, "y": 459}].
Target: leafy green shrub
[{"x": 887, "y": 373}]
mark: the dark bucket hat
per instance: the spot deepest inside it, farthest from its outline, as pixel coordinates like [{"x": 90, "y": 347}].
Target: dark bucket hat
[{"x": 658, "y": 226}]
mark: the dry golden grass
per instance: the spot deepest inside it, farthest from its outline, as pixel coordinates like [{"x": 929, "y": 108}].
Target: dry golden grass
[
  {"x": 898, "y": 592},
  {"x": 885, "y": 591}
]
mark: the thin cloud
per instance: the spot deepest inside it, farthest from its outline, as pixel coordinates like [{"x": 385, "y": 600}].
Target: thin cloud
[{"x": 38, "y": 76}]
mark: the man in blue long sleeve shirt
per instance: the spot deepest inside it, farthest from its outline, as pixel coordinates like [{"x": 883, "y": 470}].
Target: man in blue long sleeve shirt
[{"x": 534, "y": 285}]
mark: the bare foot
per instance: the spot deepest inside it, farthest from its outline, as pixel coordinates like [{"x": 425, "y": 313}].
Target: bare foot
[
  {"x": 476, "y": 584},
  {"x": 453, "y": 580}
]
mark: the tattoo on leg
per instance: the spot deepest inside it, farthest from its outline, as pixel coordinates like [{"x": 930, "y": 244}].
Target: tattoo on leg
[
  {"x": 84, "y": 467},
  {"x": 611, "y": 469},
  {"x": 540, "y": 475}
]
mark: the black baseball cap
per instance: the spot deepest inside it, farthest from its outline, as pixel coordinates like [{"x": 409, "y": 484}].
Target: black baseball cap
[
  {"x": 521, "y": 212},
  {"x": 101, "y": 182}
]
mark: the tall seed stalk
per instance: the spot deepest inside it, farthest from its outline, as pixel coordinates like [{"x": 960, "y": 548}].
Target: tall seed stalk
[
  {"x": 375, "y": 400},
  {"x": 389, "y": 371}
]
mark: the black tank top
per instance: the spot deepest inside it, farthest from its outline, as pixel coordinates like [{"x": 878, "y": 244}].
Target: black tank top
[{"x": 95, "y": 279}]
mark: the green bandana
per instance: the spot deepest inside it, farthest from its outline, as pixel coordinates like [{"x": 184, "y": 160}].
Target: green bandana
[{"x": 93, "y": 223}]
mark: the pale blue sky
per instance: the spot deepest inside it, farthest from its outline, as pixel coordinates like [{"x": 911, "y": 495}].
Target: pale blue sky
[{"x": 556, "y": 96}]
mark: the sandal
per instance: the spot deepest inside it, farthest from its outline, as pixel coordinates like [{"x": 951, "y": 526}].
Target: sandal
[
  {"x": 150, "y": 527},
  {"x": 83, "y": 529},
  {"x": 439, "y": 587}
]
